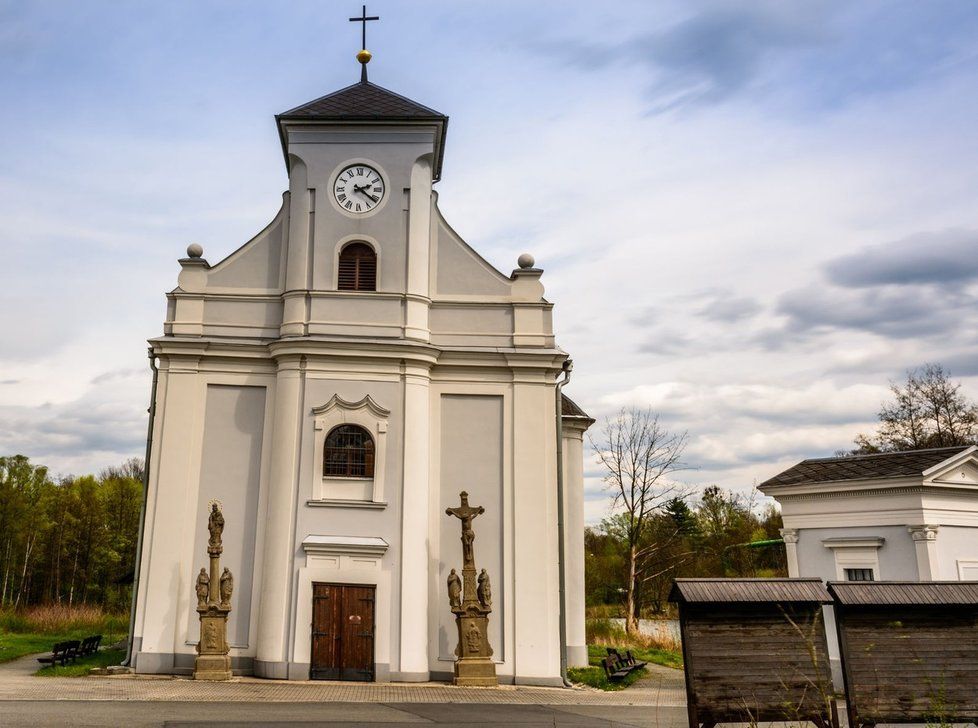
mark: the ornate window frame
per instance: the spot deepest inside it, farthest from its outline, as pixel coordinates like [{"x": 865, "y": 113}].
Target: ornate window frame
[
  {"x": 341, "y": 491},
  {"x": 860, "y": 552}
]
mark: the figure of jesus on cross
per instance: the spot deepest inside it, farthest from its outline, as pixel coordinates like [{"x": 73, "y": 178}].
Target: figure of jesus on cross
[{"x": 466, "y": 514}]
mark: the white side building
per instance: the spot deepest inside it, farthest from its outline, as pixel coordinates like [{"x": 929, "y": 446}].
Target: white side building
[
  {"x": 335, "y": 383},
  {"x": 902, "y": 516}
]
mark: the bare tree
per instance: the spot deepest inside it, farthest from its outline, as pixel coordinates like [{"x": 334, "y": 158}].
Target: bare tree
[
  {"x": 638, "y": 455},
  {"x": 927, "y": 410}
]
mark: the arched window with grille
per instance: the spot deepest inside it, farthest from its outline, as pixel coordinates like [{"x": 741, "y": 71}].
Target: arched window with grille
[
  {"x": 357, "y": 268},
  {"x": 349, "y": 453}
]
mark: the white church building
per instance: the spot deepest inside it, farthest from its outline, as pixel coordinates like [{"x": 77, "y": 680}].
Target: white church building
[{"x": 334, "y": 384}]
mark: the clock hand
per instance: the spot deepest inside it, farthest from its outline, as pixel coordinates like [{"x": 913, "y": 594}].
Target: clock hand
[{"x": 363, "y": 191}]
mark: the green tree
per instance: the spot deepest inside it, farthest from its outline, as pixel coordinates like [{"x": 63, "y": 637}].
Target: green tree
[
  {"x": 927, "y": 409},
  {"x": 69, "y": 541}
]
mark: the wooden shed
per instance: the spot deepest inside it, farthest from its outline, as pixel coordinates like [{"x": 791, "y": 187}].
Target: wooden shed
[
  {"x": 909, "y": 651},
  {"x": 754, "y": 650}
]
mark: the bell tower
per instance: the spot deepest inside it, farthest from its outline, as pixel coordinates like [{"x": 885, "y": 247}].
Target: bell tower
[{"x": 361, "y": 164}]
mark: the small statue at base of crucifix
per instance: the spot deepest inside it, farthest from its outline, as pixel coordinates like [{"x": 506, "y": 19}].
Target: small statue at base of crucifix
[
  {"x": 213, "y": 605},
  {"x": 473, "y": 663}
]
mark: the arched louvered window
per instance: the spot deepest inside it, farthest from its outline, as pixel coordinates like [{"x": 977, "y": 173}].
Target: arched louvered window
[
  {"x": 349, "y": 453},
  {"x": 357, "y": 268}
]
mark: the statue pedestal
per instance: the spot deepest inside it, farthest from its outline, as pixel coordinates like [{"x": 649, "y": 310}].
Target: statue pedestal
[
  {"x": 474, "y": 666},
  {"x": 213, "y": 661}
]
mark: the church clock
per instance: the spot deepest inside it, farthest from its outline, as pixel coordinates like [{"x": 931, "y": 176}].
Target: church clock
[{"x": 359, "y": 188}]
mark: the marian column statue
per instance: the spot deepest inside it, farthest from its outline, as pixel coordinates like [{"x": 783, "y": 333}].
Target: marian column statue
[
  {"x": 213, "y": 605},
  {"x": 473, "y": 664}
]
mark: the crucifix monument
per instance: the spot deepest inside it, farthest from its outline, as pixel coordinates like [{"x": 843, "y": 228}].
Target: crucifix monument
[
  {"x": 213, "y": 605},
  {"x": 471, "y": 602}
]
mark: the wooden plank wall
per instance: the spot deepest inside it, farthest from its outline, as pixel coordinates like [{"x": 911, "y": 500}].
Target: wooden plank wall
[
  {"x": 748, "y": 663},
  {"x": 906, "y": 663}
]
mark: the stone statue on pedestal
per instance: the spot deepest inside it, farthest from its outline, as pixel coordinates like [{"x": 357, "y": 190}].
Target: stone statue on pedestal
[
  {"x": 227, "y": 586},
  {"x": 203, "y": 588},
  {"x": 215, "y": 525},
  {"x": 471, "y": 607},
  {"x": 484, "y": 590},
  {"x": 454, "y": 590},
  {"x": 213, "y": 605}
]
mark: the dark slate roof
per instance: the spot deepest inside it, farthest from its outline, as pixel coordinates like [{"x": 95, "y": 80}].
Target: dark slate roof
[
  {"x": 569, "y": 408},
  {"x": 735, "y": 591},
  {"x": 889, "y": 593},
  {"x": 864, "y": 467},
  {"x": 362, "y": 101}
]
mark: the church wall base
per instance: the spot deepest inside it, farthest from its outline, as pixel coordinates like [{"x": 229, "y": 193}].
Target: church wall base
[
  {"x": 182, "y": 663},
  {"x": 549, "y": 682},
  {"x": 414, "y": 677},
  {"x": 577, "y": 656},
  {"x": 273, "y": 670}
]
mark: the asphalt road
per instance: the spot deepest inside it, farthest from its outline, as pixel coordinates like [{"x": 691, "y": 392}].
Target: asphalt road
[{"x": 333, "y": 715}]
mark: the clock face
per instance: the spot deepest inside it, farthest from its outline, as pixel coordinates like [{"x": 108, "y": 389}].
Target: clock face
[{"x": 359, "y": 188}]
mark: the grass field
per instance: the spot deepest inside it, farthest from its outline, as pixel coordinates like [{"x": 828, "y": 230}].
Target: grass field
[
  {"x": 36, "y": 629},
  {"x": 601, "y": 634},
  {"x": 81, "y": 666}
]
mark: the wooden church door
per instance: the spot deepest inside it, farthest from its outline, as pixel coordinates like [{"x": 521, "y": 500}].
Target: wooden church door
[{"x": 342, "y": 632}]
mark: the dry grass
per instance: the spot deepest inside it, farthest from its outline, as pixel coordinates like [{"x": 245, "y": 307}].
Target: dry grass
[
  {"x": 604, "y": 632},
  {"x": 61, "y": 619}
]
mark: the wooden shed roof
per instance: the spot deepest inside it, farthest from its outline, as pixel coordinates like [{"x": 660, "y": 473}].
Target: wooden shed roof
[
  {"x": 733, "y": 591},
  {"x": 888, "y": 593}
]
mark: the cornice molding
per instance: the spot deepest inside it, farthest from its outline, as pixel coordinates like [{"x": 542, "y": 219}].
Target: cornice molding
[
  {"x": 850, "y": 493},
  {"x": 367, "y": 402},
  {"x": 357, "y": 545}
]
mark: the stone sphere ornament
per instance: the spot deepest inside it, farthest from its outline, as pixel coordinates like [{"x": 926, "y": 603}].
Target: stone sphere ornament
[
  {"x": 525, "y": 261},
  {"x": 195, "y": 250}
]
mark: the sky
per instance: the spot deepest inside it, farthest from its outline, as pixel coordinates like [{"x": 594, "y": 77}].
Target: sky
[{"x": 751, "y": 216}]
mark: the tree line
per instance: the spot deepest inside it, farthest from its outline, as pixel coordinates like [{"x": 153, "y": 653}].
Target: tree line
[
  {"x": 723, "y": 533},
  {"x": 70, "y": 540},
  {"x": 658, "y": 531}
]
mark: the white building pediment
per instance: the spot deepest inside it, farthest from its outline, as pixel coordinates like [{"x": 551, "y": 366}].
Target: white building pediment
[{"x": 959, "y": 470}]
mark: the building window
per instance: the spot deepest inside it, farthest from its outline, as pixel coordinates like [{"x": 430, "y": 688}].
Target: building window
[
  {"x": 357, "y": 268},
  {"x": 859, "y": 575},
  {"x": 349, "y": 453}
]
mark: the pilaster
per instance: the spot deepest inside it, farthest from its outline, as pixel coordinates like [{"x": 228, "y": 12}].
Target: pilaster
[
  {"x": 297, "y": 266},
  {"x": 573, "y": 465},
  {"x": 277, "y": 568},
  {"x": 535, "y": 578},
  {"x": 418, "y": 253},
  {"x": 790, "y": 536},
  {"x": 165, "y": 575},
  {"x": 925, "y": 543},
  {"x": 414, "y": 525}
]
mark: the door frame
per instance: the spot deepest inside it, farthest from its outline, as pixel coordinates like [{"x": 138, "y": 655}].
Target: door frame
[{"x": 373, "y": 638}]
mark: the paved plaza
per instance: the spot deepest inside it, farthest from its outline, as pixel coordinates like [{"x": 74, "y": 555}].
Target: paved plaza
[{"x": 26, "y": 700}]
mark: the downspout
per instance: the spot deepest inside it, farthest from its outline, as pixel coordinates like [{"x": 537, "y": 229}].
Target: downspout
[
  {"x": 562, "y": 580},
  {"x": 142, "y": 508}
]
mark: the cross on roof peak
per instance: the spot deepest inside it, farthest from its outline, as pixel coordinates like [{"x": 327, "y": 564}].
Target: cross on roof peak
[{"x": 364, "y": 55}]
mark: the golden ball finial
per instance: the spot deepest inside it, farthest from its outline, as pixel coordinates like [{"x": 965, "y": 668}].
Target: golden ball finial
[{"x": 364, "y": 56}]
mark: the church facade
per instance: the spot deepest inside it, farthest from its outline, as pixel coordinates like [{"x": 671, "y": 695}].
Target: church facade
[{"x": 334, "y": 384}]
